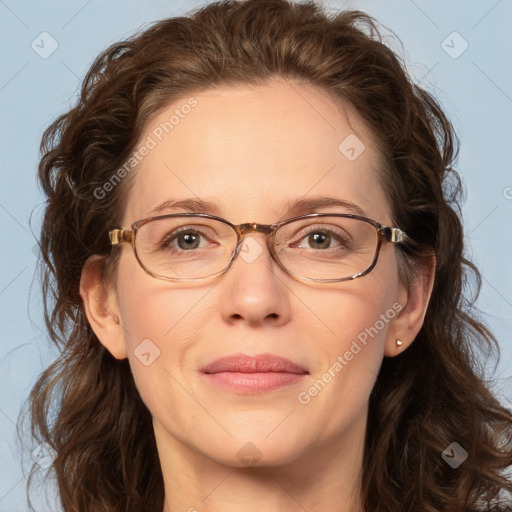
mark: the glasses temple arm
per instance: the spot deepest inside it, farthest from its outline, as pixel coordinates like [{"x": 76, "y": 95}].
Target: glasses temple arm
[{"x": 118, "y": 236}]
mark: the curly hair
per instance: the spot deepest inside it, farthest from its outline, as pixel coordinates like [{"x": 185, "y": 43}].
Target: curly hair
[{"x": 86, "y": 405}]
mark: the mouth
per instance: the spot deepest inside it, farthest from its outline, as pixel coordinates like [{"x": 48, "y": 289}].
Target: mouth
[{"x": 253, "y": 374}]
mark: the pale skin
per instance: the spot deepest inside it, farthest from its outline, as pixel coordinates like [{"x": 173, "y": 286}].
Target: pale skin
[{"x": 250, "y": 149}]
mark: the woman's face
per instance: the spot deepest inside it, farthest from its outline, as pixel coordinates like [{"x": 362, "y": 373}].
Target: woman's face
[{"x": 251, "y": 151}]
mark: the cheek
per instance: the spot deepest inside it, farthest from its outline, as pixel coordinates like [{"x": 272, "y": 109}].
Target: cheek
[
  {"x": 359, "y": 316},
  {"x": 360, "y": 310},
  {"x": 154, "y": 309},
  {"x": 160, "y": 324}
]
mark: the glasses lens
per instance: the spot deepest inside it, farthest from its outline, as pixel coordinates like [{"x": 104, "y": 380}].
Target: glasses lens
[
  {"x": 185, "y": 247},
  {"x": 327, "y": 247}
]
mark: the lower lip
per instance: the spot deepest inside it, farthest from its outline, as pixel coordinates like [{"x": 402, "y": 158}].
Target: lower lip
[{"x": 253, "y": 382}]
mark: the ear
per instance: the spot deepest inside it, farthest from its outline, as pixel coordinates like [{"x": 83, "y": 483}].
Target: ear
[
  {"x": 414, "y": 299},
  {"x": 102, "y": 308}
]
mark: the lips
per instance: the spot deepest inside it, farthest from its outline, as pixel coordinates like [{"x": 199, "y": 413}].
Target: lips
[
  {"x": 243, "y": 374},
  {"x": 263, "y": 363}
]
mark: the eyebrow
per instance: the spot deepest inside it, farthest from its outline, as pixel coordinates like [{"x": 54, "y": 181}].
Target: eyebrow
[{"x": 292, "y": 208}]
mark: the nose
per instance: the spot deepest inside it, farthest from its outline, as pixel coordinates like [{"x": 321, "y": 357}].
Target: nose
[{"x": 253, "y": 289}]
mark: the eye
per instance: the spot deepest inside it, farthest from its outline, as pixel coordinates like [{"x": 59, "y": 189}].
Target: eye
[
  {"x": 187, "y": 240},
  {"x": 319, "y": 237}
]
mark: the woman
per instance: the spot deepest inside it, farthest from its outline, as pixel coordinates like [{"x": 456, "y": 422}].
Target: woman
[{"x": 258, "y": 279}]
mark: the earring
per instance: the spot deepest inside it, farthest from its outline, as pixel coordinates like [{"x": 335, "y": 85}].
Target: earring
[{"x": 399, "y": 343}]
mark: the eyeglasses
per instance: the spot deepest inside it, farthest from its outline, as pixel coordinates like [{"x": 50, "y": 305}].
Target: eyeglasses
[{"x": 322, "y": 247}]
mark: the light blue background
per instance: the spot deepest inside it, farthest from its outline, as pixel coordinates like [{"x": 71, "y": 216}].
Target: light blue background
[{"x": 474, "y": 89}]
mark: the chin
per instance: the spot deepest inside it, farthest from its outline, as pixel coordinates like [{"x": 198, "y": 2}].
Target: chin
[{"x": 256, "y": 451}]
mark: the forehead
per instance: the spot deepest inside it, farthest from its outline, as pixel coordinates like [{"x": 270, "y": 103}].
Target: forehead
[{"x": 253, "y": 149}]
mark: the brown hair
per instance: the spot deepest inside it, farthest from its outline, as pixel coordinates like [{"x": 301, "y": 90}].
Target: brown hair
[{"x": 432, "y": 394}]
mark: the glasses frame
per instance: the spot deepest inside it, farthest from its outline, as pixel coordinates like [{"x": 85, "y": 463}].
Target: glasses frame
[{"x": 384, "y": 234}]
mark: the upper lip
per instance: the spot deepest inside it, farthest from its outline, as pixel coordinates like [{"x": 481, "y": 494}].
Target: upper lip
[{"x": 262, "y": 363}]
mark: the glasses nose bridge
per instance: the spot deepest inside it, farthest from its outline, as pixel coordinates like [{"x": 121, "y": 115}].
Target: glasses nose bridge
[{"x": 253, "y": 227}]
